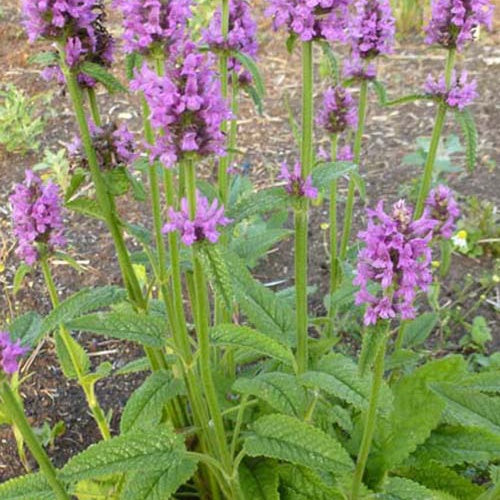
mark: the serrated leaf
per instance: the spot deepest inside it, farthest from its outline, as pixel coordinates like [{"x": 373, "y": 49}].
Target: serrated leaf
[
  {"x": 484, "y": 381},
  {"x": 469, "y": 408},
  {"x": 62, "y": 256},
  {"x": 100, "y": 74},
  {"x": 28, "y": 487},
  {"x": 21, "y": 272},
  {"x": 458, "y": 445},
  {"x": 259, "y": 480},
  {"x": 151, "y": 450},
  {"x": 256, "y": 98},
  {"x": 85, "y": 206},
  {"x": 380, "y": 90},
  {"x": 147, "y": 330},
  {"x": 71, "y": 355},
  {"x": 299, "y": 483},
  {"x": 333, "y": 63},
  {"x": 279, "y": 390},
  {"x": 159, "y": 484},
  {"x": 44, "y": 58},
  {"x": 216, "y": 270},
  {"x": 291, "y": 41},
  {"x": 325, "y": 173},
  {"x": 286, "y": 438},
  {"x": 27, "y": 328},
  {"x": 135, "y": 366},
  {"x": 466, "y": 122},
  {"x": 398, "y": 488},
  {"x": 417, "y": 330},
  {"x": 244, "y": 337},
  {"x": 371, "y": 342},
  {"x": 145, "y": 406},
  {"x": 263, "y": 201},
  {"x": 249, "y": 64}
]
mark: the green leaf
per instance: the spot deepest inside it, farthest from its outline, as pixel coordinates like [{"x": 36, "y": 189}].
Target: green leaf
[
  {"x": 407, "y": 98},
  {"x": 417, "y": 331},
  {"x": 145, "y": 406},
  {"x": 263, "y": 201},
  {"x": 147, "y": 330},
  {"x": 21, "y": 272},
  {"x": 244, "y": 337},
  {"x": 286, "y": 438},
  {"x": 135, "y": 366},
  {"x": 216, "y": 269},
  {"x": 291, "y": 41},
  {"x": 484, "y": 382},
  {"x": 117, "y": 180},
  {"x": 480, "y": 331},
  {"x": 251, "y": 91},
  {"x": 333, "y": 63},
  {"x": 299, "y": 483},
  {"x": 294, "y": 126},
  {"x": 323, "y": 174},
  {"x": 28, "y": 487},
  {"x": 360, "y": 184},
  {"x": 85, "y": 206},
  {"x": 150, "y": 450},
  {"x": 259, "y": 480},
  {"x": 372, "y": 339},
  {"x": 466, "y": 122},
  {"x": 132, "y": 61},
  {"x": 249, "y": 64},
  {"x": 27, "y": 328},
  {"x": 398, "y": 488},
  {"x": 279, "y": 390},
  {"x": 44, "y": 58},
  {"x": 381, "y": 91},
  {"x": 458, "y": 445},
  {"x": 469, "y": 408},
  {"x": 159, "y": 484},
  {"x": 69, "y": 260},
  {"x": 99, "y": 73},
  {"x": 69, "y": 354}
]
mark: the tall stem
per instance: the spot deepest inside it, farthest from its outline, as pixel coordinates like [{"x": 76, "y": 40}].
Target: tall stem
[
  {"x": 358, "y": 140},
  {"x": 64, "y": 334},
  {"x": 301, "y": 209},
  {"x": 366, "y": 442},
  {"x": 426, "y": 182},
  {"x": 94, "y": 108},
  {"x": 17, "y": 415},
  {"x": 333, "y": 235}
]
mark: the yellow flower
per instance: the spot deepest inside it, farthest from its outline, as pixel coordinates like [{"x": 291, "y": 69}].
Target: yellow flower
[
  {"x": 324, "y": 226},
  {"x": 436, "y": 264}
]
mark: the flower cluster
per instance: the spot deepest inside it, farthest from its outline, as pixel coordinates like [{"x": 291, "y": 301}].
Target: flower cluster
[
  {"x": 344, "y": 153},
  {"x": 10, "y": 352},
  {"x": 295, "y": 184},
  {"x": 187, "y": 108},
  {"x": 460, "y": 94},
  {"x": 442, "y": 207},
  {"x": 241, "y": 37},
  {"x": 453, "y": 22},
  {"x": 372, "y": 29},
  {"x": 339, "y": 110},
  {"x": 203, "y": 227},
  {"x": 36, "y": 214},
  {"x": 150, "y": 22},
  {"x": 397, "y": 257},
  {"x": 355, "y": 67},
  {"x": 124, "y": 145},
  {"x": 311, "y": 19}
]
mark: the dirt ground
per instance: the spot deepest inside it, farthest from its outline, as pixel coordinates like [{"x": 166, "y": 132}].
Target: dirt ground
[{"x": 266, "y": 141}]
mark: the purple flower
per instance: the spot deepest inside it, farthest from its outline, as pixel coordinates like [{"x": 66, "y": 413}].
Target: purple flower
[
  {"x": 453, "y": 22},
  {"x": 372, "y": 29},
  {"x": 345, "y": 153},
  {"x": 187, "y": 108},
  {"x": 36, "y": 215},
  {"x": 203, "y": 227},
  {"x": 150, "y": 22},
  {"x": 442, "y": 207},
  {"x": 10, "y": 352},
  {"x": 311, "y": 19},
  {"x": 242, "y": 36},
  {"x": 396, "y": 258},
  {"x": 460, "y": 94},
  {"x": 355, "y": 67},
  {"x": 295, "y": 184},
  {"x": 124, "y": 145},
  {"x": 339, "y": 111}
]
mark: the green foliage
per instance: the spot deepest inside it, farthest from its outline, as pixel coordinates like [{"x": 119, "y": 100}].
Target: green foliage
[
  {"x": 72, "y": 357},
  {"x": 146, "y": 405},
  {"x": 27, "y": 328},
  {"x": 259, "y": 480},
  {"x": 466, "y": 121},
  {"x": 98, "y": 72},
  {"x": 299, "y": 483},
  {"x": 325, "y": 173},
  {"x": 263, "y": 201},
  {"x": 418, "y": 330},
  {"x": 27, "y": 487},
  {"x": 286, "y": 438},
  {"x": 243, "y": 337},
  {"x": 47, "y": 434},
  {"x": 397, "y": 488},
  {"x": 249, "y": 64},
  {"x": 57, "y": 166},
  {"x": 20, "y": 128}
]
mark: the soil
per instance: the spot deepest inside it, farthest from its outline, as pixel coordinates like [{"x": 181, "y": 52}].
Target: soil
[{"x": 266, "y": 142}]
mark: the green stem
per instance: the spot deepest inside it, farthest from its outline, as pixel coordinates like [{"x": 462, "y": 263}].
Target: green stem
[
  {"x": 17, "y": 415},
  {"x": 238, "y": 424},
  {"x": 426, "y": 182},
  {"x": 301, "y": 209},
  {"x": 94, "y": 108},
  {"x": 333, "y": 236},
  {"x": 366, "y": 442},
  {"x": 358, "y": 140},
  {"x": 94, "y": 406}
]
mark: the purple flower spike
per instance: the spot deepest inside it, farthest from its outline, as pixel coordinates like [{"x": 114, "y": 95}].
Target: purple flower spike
[
  {"x": 203, "y": 227},
  {"x": 355, "y": 67},
  {"x": 311, "y": 19},
  {"x": 10, "y": 352},
  {"x": 397, "y": 258},
  {"x": 442, "y": 207},
  {"x": 460, "y": 94},
  {"x": 338, "y": 112},
  {"x": 295, "y": 184},
  {"x": 36, "y": 215},
  {"x": 187, "y": 108},
  {"x": 242, "y": 36},
  {"x": 149, "y": 22},
  {"x": 124, "y": 144},
  {"x": 453, "y": 22},
  {"x": 372, "y": 28}
]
